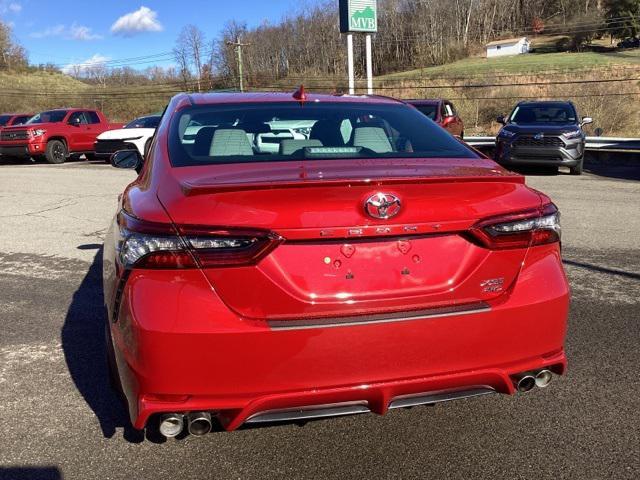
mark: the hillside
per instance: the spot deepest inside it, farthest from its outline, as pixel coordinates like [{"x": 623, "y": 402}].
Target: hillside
[
  {"x": 604, "y": 85},
  {"x": 533, "y": 63},
  {"x": 32, "y": 91}
]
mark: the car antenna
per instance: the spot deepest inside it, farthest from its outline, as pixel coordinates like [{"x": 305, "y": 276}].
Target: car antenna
[{"x": 300, "y": 95}]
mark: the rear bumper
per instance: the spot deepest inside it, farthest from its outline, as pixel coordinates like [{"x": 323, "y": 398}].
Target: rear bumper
[
  {"x": 190, "y": 352},
  {"x": 375, "y": 397}
]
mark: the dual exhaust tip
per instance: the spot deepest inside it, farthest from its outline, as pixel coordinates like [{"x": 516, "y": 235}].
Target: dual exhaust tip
[
  {"x": 172, "y": 424},
  {"x": 528, "y": 381}
]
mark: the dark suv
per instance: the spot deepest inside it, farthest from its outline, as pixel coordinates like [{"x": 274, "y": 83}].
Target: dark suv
[{"x": 542, "y": 133}]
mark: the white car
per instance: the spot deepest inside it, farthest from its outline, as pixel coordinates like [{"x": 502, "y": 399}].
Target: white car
[{"x": 135, "y": 135}]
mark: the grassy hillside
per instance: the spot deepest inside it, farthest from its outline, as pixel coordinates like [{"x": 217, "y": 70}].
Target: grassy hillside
[
  {"x": 40, "y": 81},
  {"x": 533, "y": 63},
  {"x": 29, "y": 91},
  {"x": 604, "y": 85},
  {"x": 36, "y": 91}
]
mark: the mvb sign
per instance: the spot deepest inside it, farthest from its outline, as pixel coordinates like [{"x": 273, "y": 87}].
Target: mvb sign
[{"x": 358, "y": 16}]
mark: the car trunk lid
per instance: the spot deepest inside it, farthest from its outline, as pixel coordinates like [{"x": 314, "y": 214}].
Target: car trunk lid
[{"x": 335, "y": 259}]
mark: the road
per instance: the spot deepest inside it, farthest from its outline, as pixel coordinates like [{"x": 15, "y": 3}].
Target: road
[{"x": 59, "y": 419}]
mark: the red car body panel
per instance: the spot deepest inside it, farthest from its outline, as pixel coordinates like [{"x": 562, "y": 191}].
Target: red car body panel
[
  {"x": 78, "y": 139},
  {"x": 322, "y": 319}
]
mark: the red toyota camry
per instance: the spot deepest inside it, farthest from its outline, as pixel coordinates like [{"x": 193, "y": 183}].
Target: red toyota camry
[{"x": 284, "y": 257}]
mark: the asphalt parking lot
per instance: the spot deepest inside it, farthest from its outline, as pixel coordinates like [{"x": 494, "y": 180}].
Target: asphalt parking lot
[{"x": 59, "y": 418}]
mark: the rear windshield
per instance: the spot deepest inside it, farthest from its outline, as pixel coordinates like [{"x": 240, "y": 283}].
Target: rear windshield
[
  {"x": 544, "y": 113},
  {"x": 257, "y": 132},
  {"x": 53, "y": 116},
  {"x": 4, "y": 119},
  {"x": 430, "y": 111},
  {"x": 144, "y": 122}
]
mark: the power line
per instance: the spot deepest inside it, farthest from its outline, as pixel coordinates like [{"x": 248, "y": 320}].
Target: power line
[
  {"x": 574, "y": 27},
  {"x": 175, "y": 87}
]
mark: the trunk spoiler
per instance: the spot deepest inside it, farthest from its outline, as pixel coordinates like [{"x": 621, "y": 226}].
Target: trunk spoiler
[{"x": 193, "y": 188}]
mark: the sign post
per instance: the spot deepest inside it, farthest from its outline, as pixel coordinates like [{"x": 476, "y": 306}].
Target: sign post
[
  {"x": 369, "y": 66},
  {"x": 350, "y": 68},
  {"x": 359, "y": 16}
]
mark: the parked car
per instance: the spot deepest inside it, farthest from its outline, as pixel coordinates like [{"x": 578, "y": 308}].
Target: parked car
[
  {"x": 135, "y": 135},
  {"x": 55, "y": 134},
  {"x": 632, "y": 42},
  {"x": 376, "y": 264},
  {"x": 545, "y": 133},
  {"x": 11, "y": 119},
  {"x": 443, "y": 113}
]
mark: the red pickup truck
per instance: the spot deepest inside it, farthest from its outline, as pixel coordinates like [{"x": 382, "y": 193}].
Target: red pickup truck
[{"x": 55, "y": 135}]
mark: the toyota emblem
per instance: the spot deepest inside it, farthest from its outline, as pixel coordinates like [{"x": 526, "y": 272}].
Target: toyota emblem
[
  {"x": 538, "y": 136},
  {"x": 382, "y": 205}
]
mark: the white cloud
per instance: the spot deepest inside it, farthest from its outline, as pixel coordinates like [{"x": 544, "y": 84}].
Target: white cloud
[
  {"x": 74, "y": 32},
  {"x": 54, "y": 31},
  {"x": 142, "y": 20},
  {"x": 82, "y": 67},
  {"x": 10, "y": 7},
  {"x": 80, "y": 32}
]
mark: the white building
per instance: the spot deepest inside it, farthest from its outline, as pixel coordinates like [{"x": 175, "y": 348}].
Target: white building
[{"x": 509, "y": 46}]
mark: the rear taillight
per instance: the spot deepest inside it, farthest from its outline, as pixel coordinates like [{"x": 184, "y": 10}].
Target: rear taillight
[
  {"x": 519, "y": 230},
  {"x": 142, "y": 244}
]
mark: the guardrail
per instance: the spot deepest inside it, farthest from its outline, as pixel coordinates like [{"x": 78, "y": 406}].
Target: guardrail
[{"x": 597, "y": 144}]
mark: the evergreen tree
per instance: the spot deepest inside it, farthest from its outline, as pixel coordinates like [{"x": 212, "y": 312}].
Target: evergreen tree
[{"x": 623, "y": 17}]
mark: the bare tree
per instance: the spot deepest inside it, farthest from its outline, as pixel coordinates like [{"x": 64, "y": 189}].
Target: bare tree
[
  {"x": 12, "y": 54},
  {"x": 190, "y": 51},
  {"x": 181, "y": 57}
]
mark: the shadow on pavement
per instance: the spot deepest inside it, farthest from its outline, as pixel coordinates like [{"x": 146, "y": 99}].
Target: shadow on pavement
[
  {"x": 30, "y": 473},
  {"x": 622, "y": 172},
  {"x": 608, "y": 271},
  {"x": 83, "y": 344}
]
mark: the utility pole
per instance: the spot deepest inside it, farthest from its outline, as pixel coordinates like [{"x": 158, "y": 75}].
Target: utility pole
[{"x": 238, "y": 46}]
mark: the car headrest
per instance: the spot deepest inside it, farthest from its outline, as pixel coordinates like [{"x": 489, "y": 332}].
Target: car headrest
[
  {"x": 328, "y": 132},
  {"x": 373, "y": 138},
  {"x": 202, "y": 142},
  {"x": 229, "y": 142}
]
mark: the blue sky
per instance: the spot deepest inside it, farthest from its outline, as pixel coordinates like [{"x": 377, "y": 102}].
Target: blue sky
[{"x": 73, "y": 31}]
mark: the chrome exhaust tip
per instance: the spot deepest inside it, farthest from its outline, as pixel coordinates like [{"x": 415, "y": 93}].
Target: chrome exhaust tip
[
  {"x": 199, "y": 423},
  {"x": 526, "y": 383},
  {"x": 171, "y": 424},
  {"x": 543, "y": 378}
]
